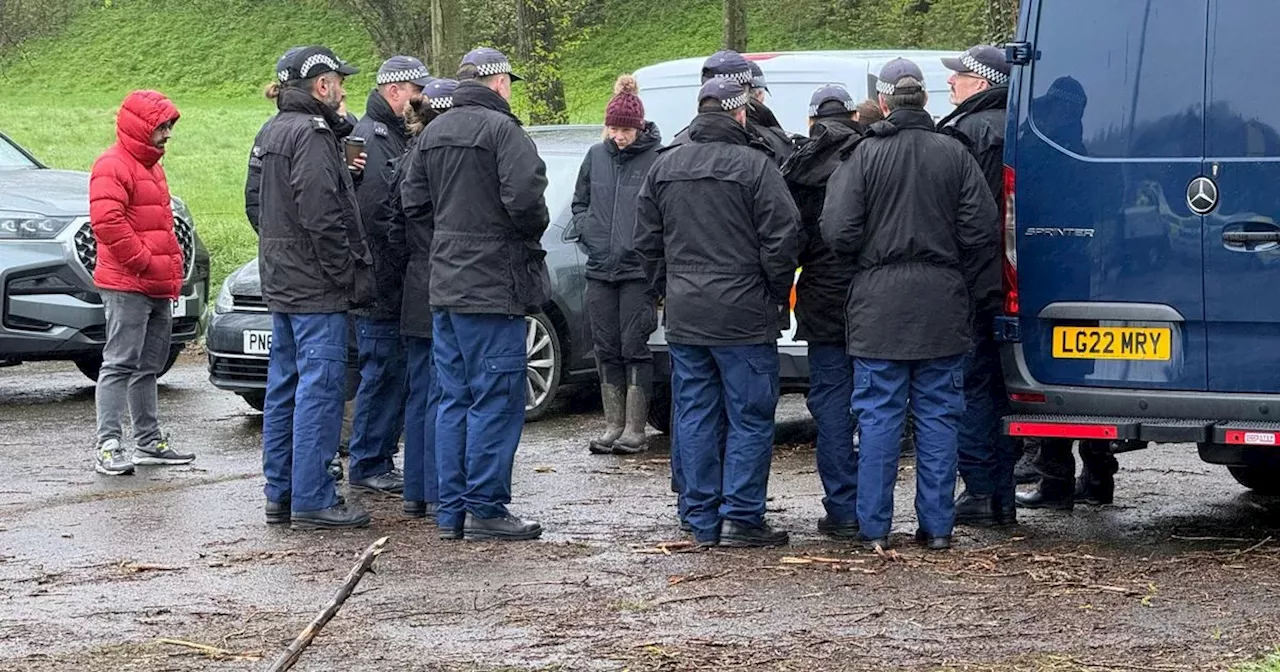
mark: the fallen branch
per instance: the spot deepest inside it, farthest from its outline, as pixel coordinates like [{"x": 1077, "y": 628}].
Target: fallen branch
[
  {"x": 138, "y": 567},
  {"x": 687, "y": 598},
  {"x": 364, "y": 565},
  {"x": 1251, "y": 549}
]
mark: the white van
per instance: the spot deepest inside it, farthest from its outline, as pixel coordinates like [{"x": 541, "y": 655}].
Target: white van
[{"x": 669, "y": 91}]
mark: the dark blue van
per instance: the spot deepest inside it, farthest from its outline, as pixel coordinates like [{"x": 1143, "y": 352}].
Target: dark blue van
[{"x": 1142, "y": 227}]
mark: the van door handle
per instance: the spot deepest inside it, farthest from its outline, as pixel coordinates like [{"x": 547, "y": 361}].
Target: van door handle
[{"x": 1247, "y": 237}]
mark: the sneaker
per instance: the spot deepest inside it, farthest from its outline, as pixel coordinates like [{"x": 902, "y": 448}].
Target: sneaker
[
  {"x": 159, "y": 453},
  {"x": 111, "y": 459}
]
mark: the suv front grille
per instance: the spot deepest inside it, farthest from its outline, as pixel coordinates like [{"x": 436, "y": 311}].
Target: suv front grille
[
  {"x": 239, "y": 369},
  {"x": 87, "y": 246}
]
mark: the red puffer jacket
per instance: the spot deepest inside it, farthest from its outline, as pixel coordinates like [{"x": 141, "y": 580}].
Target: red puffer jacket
[{"x": 129, "y": 206}]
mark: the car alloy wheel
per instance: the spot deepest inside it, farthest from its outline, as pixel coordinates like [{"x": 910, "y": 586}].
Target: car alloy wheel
[{"x": 542, "y": 374}]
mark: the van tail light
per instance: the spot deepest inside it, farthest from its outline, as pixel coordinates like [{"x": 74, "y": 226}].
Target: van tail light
[{"x": 1010, "y": 262}]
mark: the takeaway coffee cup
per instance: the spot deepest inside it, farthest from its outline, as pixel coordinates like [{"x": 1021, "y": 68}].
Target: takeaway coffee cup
[{"x": 354, "y": 147}]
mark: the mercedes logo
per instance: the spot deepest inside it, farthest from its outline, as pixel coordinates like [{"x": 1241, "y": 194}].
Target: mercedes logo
[{"x": 1202, "y": 195}]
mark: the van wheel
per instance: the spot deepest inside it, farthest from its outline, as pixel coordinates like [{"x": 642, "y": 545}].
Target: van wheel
[
  {"x": 660, "y": 408},
  {"x": 1262, "y": 480},
  {"x": 542, "y": 374}
]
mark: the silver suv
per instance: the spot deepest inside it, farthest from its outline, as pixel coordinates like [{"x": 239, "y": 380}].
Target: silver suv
[{"x": 51, "y": 309}]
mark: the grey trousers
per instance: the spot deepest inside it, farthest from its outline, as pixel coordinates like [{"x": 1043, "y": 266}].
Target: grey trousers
[{"x": 138, "y": 332}]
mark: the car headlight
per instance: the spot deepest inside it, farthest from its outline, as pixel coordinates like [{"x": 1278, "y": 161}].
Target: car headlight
[
  {"x": 30, "y": 226},
  {"x": 224, "y": 302}
]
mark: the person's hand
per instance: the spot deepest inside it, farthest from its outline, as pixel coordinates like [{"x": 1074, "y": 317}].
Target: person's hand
[{"x": 357, "y": 165}]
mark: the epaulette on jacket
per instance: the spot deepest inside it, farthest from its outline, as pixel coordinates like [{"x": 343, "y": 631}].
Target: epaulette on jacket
[
  {"x": 379, "y": 129},
  {"x": 319, "y": 124}
]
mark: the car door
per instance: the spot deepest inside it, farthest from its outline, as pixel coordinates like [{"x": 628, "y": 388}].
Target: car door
[
  {"x": 1109, "y": 255},
  {"x": 1242, "y": 232}
]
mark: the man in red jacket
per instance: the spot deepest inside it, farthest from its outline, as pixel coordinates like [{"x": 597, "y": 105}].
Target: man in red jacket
[{"x": 139, "y": 274}]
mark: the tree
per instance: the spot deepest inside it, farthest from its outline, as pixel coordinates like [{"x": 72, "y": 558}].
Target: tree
[
  {"x": 448, "y": 40},
  {"x": 1001, "y": 20},
  {"x": 735, "y": 25},
  {"x": 544, "y": 30},
  {"x": 396, "y": 26}
]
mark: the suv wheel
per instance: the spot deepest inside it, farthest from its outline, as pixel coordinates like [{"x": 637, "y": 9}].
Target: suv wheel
[
  {"x": 660, "y": 408},
  {"x": 1262, "y": 480},
  {"x": 542, "y": 373},
  {"x": 256, "y": 400},
  {"x": 91, "y": 365}
]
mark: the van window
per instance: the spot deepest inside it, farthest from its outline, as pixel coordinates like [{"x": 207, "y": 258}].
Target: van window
[
  {"x": 1244, "y": 103},
  {"x": 1121, "y": 79}
]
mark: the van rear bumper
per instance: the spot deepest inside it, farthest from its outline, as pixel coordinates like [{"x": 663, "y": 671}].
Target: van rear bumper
[{"x": 1168, "y": 416}]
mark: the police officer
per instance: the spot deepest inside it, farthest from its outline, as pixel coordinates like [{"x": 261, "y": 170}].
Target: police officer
[
  {"x": 980, "y": 91},
  {"x": 477, "y": 183},
  {"x": 910, "y": 211},
  {"x": 717, "y": 216},
  {"x": 761, "y": 120},
  {"x": 421, "y": 479},
  {"x": 821, "y": 292},
  {"x": 314, "y": 267},
  {"x": 380, "y": 399},
  {"x": 620, "y": 301},
  {"x": 772, "y": 140}
]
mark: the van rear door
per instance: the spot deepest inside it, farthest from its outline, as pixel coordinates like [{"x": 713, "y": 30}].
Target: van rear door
[
  {"x": 1110, "y": 259},
  {"x": 1242, "y": 232}
]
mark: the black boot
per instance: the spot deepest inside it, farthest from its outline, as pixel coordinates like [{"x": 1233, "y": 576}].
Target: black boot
[
  {"x": 1024, "y": 472},
  {"x": 277, "y": 512},
  {"x": 414, "y": 509},
  {"x": 613, "y": 396},
  {"x": 337, "y": 517},
  {"x": 738, "y": 535},
  {"x": 931, "y": 542},
  {"x": 1097, "y": 483},
  {"x": 838, "y": 529},
  {"x": 506, "y": 528},
  {"x": 1051, "y": 493},
  {"x": 633, "y": 439},
  {"x": 975, "y": 510}
]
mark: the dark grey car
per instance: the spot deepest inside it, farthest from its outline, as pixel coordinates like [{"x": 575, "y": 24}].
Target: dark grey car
[
  {"x": 50, "y": 308},
  {"x": 558, "y": 341}
]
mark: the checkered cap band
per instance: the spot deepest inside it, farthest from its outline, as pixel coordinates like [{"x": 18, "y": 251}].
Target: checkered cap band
[
  {"x": 885, "y": 87},
  {"x": 1068, "y": 96},
  {"x": 499, "y": 68},
  {"x": 283, "y": 75},
  {"x": 734, "y": 103},
  {"x": 396, "y": 76},
  {"x": 314, "y": 60},
  {"x": 743, "y": 78},
  {"x": 984, "y": 71},
  {"x": 849, "y": 105},
  {"x": 440, "y": 103}
]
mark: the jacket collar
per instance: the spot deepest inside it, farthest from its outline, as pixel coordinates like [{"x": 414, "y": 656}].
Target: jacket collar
[
  {"x": 293, "y": 99},
  {"x": 471, "y": 93},
  {"x": 760, "y": 114},
  {"x": 718, "y": 127},
  {"x": 842, "y": 126},
  {"x": 818, "y": 156},
  {"x": 649, "y": 138},
  {"x": 994, "y": 98},
  {"x": 903, "y": 119},
  {"x": 378, "y": 109},
  {"x": 140, "y": 115}
]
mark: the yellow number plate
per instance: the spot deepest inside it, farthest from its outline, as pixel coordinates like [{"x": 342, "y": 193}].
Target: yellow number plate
[{"x": 1112, "y": 343}]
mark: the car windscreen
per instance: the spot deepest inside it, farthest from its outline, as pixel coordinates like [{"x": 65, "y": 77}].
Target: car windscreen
[{"x": 11, "y": 158}]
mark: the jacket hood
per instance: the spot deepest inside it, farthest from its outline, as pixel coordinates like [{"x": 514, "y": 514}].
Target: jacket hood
[
  {"x": 718, "y": 127},
  {"x": 473, "y": 93},
  {"x": 140, "y": 115},
  {"x": 649, "y": 138},
  {"x": 760, "y": 114},
  {"x": 819, "y": 156},
  {"x": 994, "y": 98},
  {"x": 378, "y": 109},
  {"x": 293, "y": 99}
]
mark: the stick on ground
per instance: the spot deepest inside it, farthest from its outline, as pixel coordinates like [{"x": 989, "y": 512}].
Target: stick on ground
[{"x": 291, "y": 655}]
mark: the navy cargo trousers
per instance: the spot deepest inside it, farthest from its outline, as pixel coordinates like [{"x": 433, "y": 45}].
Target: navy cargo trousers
[
  {"x": 882, "y": 390},
  {"x": 724, "y": 401}
]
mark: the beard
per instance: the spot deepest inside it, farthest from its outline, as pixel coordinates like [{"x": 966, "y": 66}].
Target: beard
[{"x": 333, "y": 99}]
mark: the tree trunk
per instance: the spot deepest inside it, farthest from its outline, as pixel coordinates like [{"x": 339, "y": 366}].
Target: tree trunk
[
  {"x": 735, "y": 25},
  {"x": 448, "y": 38},
  {"x": 537, "y": 50},
  {"x": 1002, "y": 20}
]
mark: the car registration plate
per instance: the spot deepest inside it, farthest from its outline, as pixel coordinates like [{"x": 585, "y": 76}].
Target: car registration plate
[
  {"x": 179, "y": 308},
  {"x": 1133, "y": 343},
  {"x": 257, "y": 343}
]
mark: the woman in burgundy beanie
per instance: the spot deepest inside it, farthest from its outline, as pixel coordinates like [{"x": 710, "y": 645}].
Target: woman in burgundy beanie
[{"x": 620, "y": 302}]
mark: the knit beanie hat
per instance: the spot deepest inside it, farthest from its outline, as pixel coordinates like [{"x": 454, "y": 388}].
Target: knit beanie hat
[{"x": 625, "y": 109}]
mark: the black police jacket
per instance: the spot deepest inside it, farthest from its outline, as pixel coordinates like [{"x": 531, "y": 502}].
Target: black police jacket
[
  {"x": 253, "y": 176},
  {"x": 477, "y": 181},
  {"x": 979, "y": 123},
  {"x": 604, "y": 205},
  {"x": 385, "y": 139},
  {"x": 824, "y": 280},
  {"x": 717, "y": 233},
  {"x": 311, "y": 249},
  {"x": 910, "y": 212},
  {"x": 414, "y": 262},
  {"x": 762, "y": 123}
]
